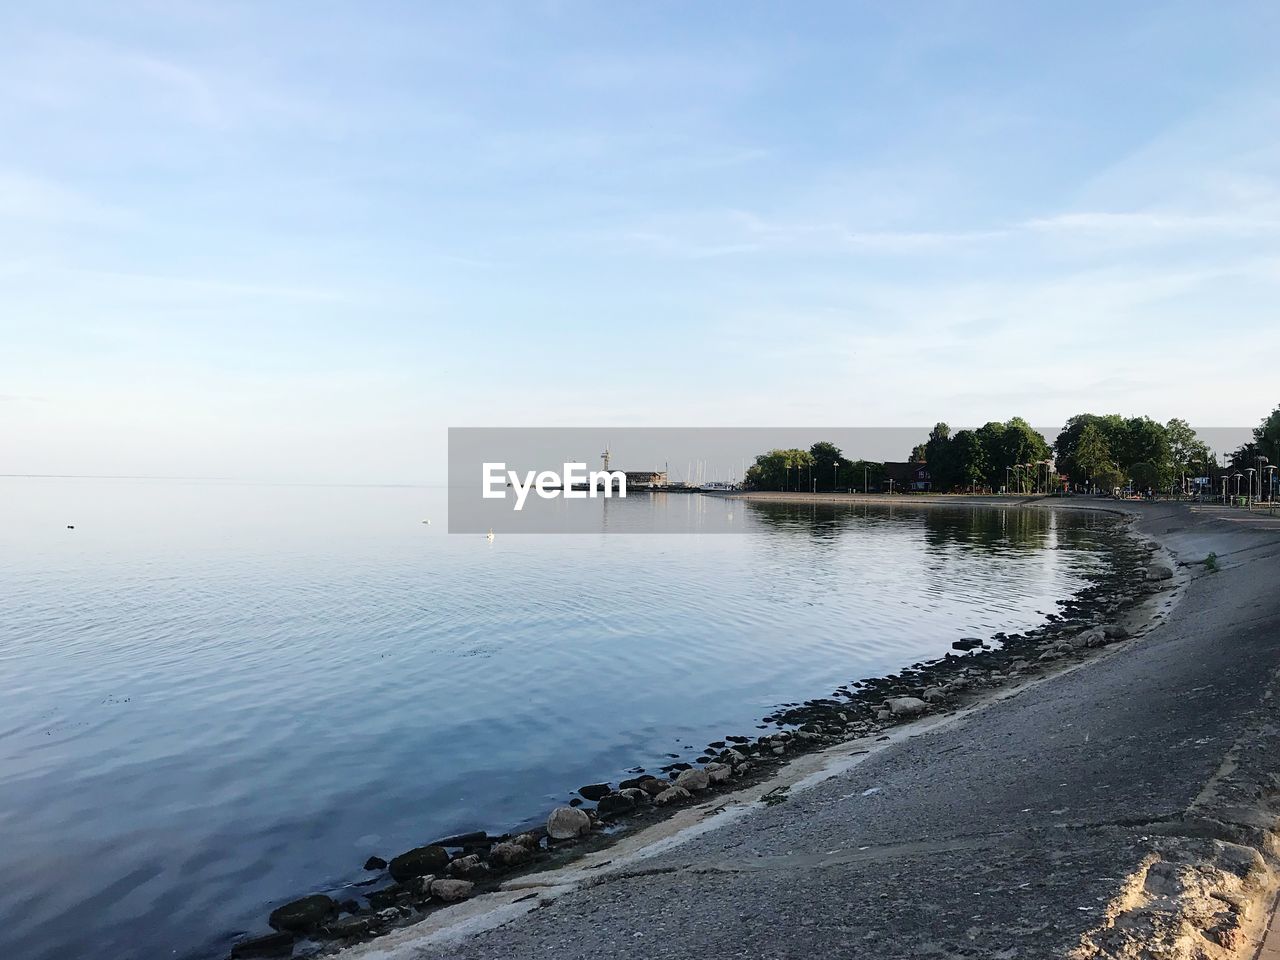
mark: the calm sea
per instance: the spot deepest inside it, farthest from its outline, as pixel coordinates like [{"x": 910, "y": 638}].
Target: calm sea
[{"x": 219, "y": 696}]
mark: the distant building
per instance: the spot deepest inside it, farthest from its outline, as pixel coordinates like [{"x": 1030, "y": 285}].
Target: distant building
[
  {"x": 906, "y": 476},
  {"x": 645, "y": 479}
]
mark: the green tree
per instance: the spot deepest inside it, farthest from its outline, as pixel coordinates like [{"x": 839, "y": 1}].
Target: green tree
[
  {"x": 969, "y": 460},
  {"x": 779, "y": 470},
  {"x": 1266, "y": 436},
  {"x": 1093, "y": 460},
  {"x": 827, "y": 461},
  {"x": 1187, "y": 453},
  {"x": 862, "y": 475}
]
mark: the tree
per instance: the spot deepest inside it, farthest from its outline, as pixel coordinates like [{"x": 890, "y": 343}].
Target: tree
[
  {"x": 827, "y": 461},
  {"x": 970, "y": 459},
  {"x": 778, "y": 470},
  {"x": 863, "y": 475},
  {"x": 1009, "y": 444},
  {"x": 1266, "y": 436},
  {"x": 1187, "y": 453},
  {"x": 1093, "y": 458},
  {"x": 1147, "y": 476},
  {"x": 1110, "y": 427}
]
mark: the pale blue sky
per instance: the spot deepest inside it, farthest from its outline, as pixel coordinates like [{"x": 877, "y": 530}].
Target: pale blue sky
[{"x": 297, "y": 241}]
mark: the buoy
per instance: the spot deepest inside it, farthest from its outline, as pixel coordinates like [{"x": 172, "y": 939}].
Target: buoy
[
  {"x": 71, "y": 526},
  {"x": 489, "y": 535}
]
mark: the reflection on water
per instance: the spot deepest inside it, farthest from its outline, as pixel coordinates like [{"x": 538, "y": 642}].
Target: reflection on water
[{"x": 219, "y": 695}]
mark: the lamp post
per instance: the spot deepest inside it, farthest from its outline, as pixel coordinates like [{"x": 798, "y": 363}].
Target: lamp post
[
  {"x": 1271, "y": 481},
  {"x": 1237, "y": 477},
  {"x": 1249, "y": 489},
  {"x": 891, "y": 486}
]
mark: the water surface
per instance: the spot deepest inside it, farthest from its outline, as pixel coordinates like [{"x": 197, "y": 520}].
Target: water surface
[{"x": 220, "y": 696}]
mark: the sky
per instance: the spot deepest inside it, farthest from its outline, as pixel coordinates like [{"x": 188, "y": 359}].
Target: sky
[{"x": 297, "y": 241}]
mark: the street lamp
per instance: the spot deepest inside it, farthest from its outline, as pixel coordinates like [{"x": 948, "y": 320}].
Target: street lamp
[
  {"x": 1271, "y": 493},
  {"x": 1237, "y": 477},
  {"x": 1250, "y": 471}
]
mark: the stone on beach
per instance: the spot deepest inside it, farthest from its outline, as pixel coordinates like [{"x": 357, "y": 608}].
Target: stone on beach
[
  {"x": 614, "y": 803},
  {"x": 653, "y": 786},
  {"x": 719, "y": 772},
  {"x": 906, "y": 706},
  {"x": 451, "y": 891},
  {"x": 508, "y": 854},
  {"x": 375, "y": 863},
  {"x": 693, "y": 780},
  {"x": 1160, "y": 571},
  {"x": 469, "y": 867},
  {"x": 594, "y": 791},
  {"x": 672, "y": 795},
  {"x": 418, "y": 862},
  {"x": 565, "y": 823},
  {"x": 303, "y": 914}
]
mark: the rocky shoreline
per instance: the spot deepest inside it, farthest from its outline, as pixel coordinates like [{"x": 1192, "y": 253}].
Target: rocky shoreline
[{"x": 410, "y": 886}]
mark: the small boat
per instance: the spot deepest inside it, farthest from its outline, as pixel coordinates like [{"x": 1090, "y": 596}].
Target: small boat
[{"x": 489, "y": 536}]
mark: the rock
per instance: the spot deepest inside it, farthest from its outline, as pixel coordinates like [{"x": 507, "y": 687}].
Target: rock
[
  {"x": 636, "y": 795},
  {"x": 530, "y": 841},
  {"x": 934, "y": 694},
  {"x": 565, "y": 823},
  {"x": 1159, "y": 571},
  {"x": 883, "y": 714},
  {"x": 304, "y": 914},
  {"x": 421, "y": 886},
  {"x": 348, "y": 927},
  {"x": 719, "y": 772},
  {"x": 966, "y": 644},
  {"x": 418, "y": 862},
  {"x": 594, "y": 791},
  {"x": 614, "y": 804},
  {"x": 634, "y": 782},
  {"x": 1097, "y": 637},
  {"x": 471, "y": 866},
  {"x": 779, "y": 749},
  {"x": 736, "y": 756},
  {"x": 1019, "y": 665},
  {"x": 268, "y": 945},
  {"x": 508, "y": 854},
  {"x": 655, "y": 786},
  {"x": 375, "y": 863},
  {"x": 906, "y": 706},
  {"x": 672, "y": 795},
  {"x": 1115, "y": 632},
  {"x": 693, "y": 780},
  {"x": 451, "y": 891}
]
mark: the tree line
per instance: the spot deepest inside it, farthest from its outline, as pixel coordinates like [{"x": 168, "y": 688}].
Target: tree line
[
  {"x": 823, "y": 468},
  {"x": 1098, "y": 451}
]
